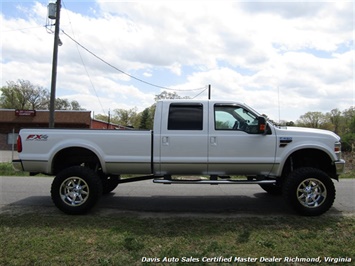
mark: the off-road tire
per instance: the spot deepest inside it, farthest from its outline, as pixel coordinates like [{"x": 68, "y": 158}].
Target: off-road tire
[
  {"x": 309, "y": 191},
  {"x": 76, "y": 190}
]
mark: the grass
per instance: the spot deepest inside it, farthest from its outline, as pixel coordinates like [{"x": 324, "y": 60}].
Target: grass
[
  {"x": 39, "y": 238},
  {"x": 31, "y": 239},
  {"x": 7, "y": 170}
]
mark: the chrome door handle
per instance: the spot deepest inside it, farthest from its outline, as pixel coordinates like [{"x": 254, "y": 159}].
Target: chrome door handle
[
  {"x": 165, "y": 141},
  {"x": 213, "y": 141}
]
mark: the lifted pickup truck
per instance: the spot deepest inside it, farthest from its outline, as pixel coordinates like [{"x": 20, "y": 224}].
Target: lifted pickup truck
[{"x": 217, "y": 139}]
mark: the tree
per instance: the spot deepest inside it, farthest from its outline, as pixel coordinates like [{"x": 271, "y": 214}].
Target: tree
[
  {"x": 312, "y": 119},
  {"x": 125, "y": 117},
  {"x": 348, "y": 116},
  {"x": 64, "y": 104},
  {"x": 348, "y": 138},
  {"x": 169, "y": 95},
  {"x": 336, "y": 119},
  {"x": 75, "y": 105},
  {"x": 24, "y": 95},
  {"x": 290, "y": 124},
  {"x": 144, "y": 124},
  {"x": 101, "y": 117}
]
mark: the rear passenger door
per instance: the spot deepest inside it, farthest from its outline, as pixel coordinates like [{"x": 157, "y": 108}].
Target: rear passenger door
[{"x": 183, "y": 139}]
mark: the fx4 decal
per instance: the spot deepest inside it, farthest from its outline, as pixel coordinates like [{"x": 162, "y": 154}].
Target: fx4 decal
[{"x": 37, "y": 137}]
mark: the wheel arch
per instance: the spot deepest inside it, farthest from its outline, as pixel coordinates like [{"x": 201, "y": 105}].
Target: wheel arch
[
  {"x": 75, "y": 155},
  {"x": 309, "y": 157}
]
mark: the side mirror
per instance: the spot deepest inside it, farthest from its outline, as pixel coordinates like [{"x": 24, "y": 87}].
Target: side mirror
[{"x": 262, "y": 125}]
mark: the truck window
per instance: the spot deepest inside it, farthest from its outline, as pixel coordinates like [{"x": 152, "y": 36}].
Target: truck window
[
  {"x": 184, "y": 116},
  {"x": 233, "y": 117}
]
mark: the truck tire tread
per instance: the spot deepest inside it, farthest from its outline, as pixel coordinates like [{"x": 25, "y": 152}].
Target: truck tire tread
[
  {"x": 92, "y": 185},
  {"x": 309, "y": 191}
]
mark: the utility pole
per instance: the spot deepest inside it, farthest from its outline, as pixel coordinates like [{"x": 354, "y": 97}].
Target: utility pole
[
  {"x": 209, "y": 92},
  {"x": 54, "y": 66}
]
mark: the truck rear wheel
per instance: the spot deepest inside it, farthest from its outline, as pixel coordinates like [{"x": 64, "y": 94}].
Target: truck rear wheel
[
  {"x": 76, "y": 190},
  {"x": 309, "y": 191}
]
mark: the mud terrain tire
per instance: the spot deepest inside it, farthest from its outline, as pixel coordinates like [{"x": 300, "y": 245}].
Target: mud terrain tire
[
  {"x": 309, "y": 191},
  {"x": 76, "y": 190}
]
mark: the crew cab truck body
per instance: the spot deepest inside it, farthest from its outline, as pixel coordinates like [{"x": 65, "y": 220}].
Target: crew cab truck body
[{"x": 218, "y": 139}]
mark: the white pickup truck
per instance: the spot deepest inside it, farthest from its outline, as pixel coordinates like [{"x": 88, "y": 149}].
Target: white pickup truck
[{"x": 213, "y": 139}]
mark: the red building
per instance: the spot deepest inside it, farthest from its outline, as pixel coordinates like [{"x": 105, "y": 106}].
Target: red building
[
  {"x": 11, "y": 121},
  {"x": 98, "y": 124}
]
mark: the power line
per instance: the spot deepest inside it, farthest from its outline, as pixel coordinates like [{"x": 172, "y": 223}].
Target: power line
[
  {"x": 123, "y": 72},
  {"x": 82, "y": 62},
  {"x": 200, "y": 93}
]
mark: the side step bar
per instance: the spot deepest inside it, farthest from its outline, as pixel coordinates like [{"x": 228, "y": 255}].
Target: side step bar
[{"x": 212, "y": 182}]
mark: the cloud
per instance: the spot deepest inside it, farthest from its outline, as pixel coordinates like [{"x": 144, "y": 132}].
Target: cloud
[{"x": 297, "y": 55}]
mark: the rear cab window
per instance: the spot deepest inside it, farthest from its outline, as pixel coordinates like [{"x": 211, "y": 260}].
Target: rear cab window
[{"x": 185, "y": 116}]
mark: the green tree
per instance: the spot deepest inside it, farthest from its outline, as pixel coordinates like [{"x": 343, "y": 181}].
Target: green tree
[
  {"x": 74, "y": 105},
  {"x": 312, "y": 120},
  {"x": 64, "y": 104},
  {"x": 348, "y": 138},
  {"x": 342, "y": 123},
  {"x": 125, "y": 117},
  {"x": 145, "y": 119},
  {"x": 101, "y": 117},
  {"x": 348, "y": 116},
  {"x": 335, "y": 119},
  {"x": 24, "y": 95}
]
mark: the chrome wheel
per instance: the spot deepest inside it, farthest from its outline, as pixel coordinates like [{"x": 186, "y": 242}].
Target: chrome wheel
[
  {"x": 74, "y": 191},
  {"x": 311, "y": 193}
]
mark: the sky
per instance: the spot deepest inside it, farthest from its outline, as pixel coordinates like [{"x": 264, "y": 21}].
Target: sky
[{"x": 283, "y": 58}]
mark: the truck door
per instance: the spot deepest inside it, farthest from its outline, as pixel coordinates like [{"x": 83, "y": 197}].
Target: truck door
[
  {"x": 183, "y": 139},
  {"x": 235, "y": 144}
]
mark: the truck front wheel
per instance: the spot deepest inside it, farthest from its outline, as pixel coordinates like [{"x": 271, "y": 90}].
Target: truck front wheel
[
  {"x": 309, "y": 191},
  {"x": 76, "y": 190}
]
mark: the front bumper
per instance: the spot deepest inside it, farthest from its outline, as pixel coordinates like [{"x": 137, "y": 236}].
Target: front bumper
[
  {"x": 340, "y": 166},
  {"x": 17, "y": 165}
]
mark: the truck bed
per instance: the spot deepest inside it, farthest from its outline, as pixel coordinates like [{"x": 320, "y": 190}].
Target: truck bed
[{"x": 119, "y": 151}]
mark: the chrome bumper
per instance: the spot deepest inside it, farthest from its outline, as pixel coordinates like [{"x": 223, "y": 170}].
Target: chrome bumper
[
  {"x": 340, "y": 166},
  {"x": 17, "y": 165}
]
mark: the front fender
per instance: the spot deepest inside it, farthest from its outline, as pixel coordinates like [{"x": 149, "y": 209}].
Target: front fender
[{"x": 284, "y": 153}]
